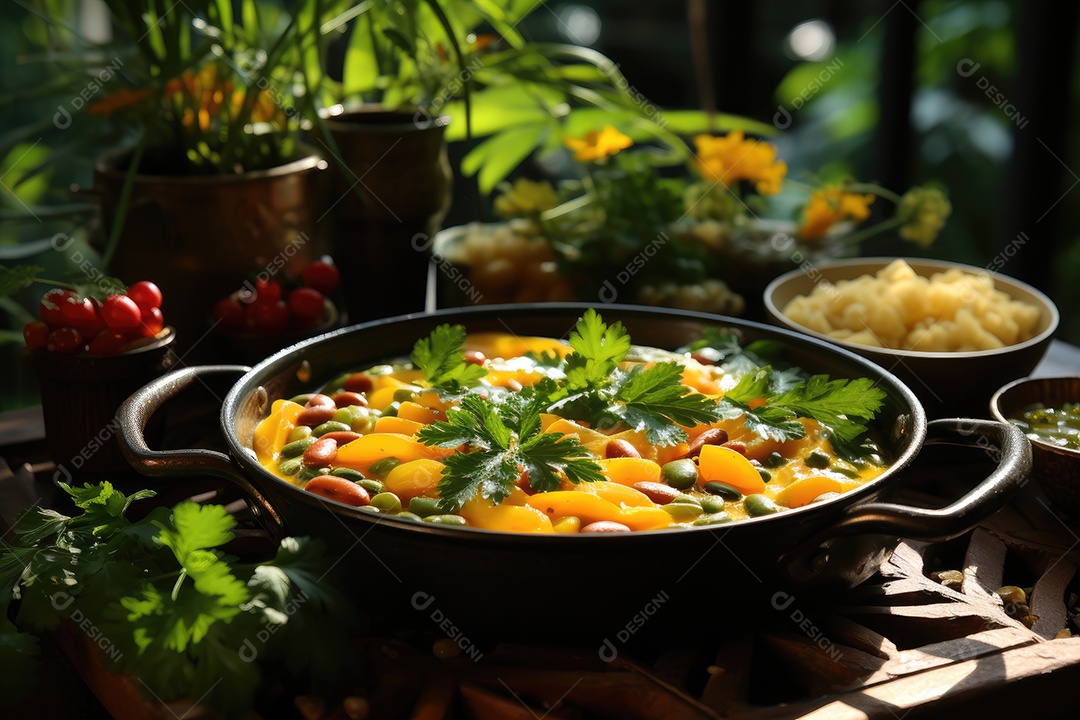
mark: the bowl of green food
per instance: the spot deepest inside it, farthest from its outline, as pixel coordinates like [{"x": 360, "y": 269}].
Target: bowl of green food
[{"x": 1048, "y": 411}]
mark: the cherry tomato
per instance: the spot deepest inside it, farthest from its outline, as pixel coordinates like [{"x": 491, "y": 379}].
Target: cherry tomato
[
  {"x": 322, "y": 276},
  {"x": 152, "y": 322},
  {"x": 64, "y": 340},
  {"x": 306, "y": 303},
  {"x": 145, "y": 294},
  {"x": 51, "y": 302},
  {"x": 230, "y": 313},
  {"x": 270, "y": 317},
  {"x": 109, "y": 342},
  {"x": 36, "y": 334},
  {"x": 267, "y": 290},
  {"x": 121, "y": 313},
  {"x": 83, "y": 315}
]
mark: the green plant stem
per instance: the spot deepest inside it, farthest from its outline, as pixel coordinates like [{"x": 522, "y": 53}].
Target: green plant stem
[
  {"x": 125, "y": 200},
  {"x": 857, "y": 237},
  {"x": 875, "y": 189}
]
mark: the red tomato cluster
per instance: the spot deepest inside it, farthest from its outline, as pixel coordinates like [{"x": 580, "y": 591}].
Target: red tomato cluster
[
  {"x": 70, "y": 323},
  {"x": 270, "y": 310}
]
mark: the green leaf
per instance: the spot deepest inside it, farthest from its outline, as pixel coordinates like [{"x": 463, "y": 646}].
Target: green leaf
[
  {"x": 840, "y": 405},
  {"x": 492, "y": 473},
  {"x": 495, "y": 158},
  {"x": 441, "y": 357},
  {"x": 20, "y": 277},
  {"x": 598, "y": 349},
  {"x": 656, "y": 401},
  {"x": 546, "y": 454}
]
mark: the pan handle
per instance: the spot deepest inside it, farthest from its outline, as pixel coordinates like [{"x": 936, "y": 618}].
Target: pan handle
[
  {"x": 1005, "y": 440},
  {"x": 147, "y": 400}
]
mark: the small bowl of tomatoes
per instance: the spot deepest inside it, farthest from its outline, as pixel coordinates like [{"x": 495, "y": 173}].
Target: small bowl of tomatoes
[
  {"x": 269, "y": 313},
  {"x": 90, "y": 351}
]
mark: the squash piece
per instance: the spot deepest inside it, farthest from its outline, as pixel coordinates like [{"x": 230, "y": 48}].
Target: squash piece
[
  {"x": 591, "y": 508},
  {"x": 720, "y": 464},
  {"x": 547, "y": 420},
  {"x": 416, "y": 478},
  {"x": 482, "y": 513},
  {"x": 628, "y": 471},
  {"x": 362, "y": 452},
  {"x": 622, "y": 495},
  {"x": 569, "y": 427},
  {"x": 416, "y": 412},
  {"x": 801, "y": 492},
  {"x": 272, "y": 431},
  {"x": 398, "y": 425},
  {"x": 636, "y": 438}
]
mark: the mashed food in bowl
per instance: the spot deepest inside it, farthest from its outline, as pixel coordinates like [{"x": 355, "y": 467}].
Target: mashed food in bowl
[{"x": 951, "y": 311}]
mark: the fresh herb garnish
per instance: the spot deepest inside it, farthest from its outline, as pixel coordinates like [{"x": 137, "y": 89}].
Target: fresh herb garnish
[
  {"x": 844, "y": 406},
  {"x": 164, "y": 602},
  {"x": 503, "y": 440},
  {"x": 650, "y": 399},
  {"x": 441, "y": 357}
]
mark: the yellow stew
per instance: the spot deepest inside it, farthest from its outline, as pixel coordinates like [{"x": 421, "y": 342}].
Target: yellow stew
[{"x": 362, "y": 442}]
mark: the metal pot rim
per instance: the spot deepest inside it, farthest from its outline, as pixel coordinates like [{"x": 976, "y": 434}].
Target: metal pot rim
[{"x": 107, "y": 166}]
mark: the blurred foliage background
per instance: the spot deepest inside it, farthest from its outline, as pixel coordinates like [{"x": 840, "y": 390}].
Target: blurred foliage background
[{"x": 820, "y": 62}]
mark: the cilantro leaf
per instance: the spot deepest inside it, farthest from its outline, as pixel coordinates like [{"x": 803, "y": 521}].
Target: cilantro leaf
[
  {"x": 655, "y": 400},
  {"x": 839, "y": 404},
  {"x": 598, "y": 350},
  {"x": 502, "y": 439},
  {"x": 441, "y": 357},
  {"x": 12, "y": 280}
]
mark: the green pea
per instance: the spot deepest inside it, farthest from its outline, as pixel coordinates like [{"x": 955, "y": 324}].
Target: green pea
[
  {"x": 682, "y": 511},
  {"x": 758, "y": 505},
  {"x": 297, "y": 447},
  {"x": 336, "y": 385},
  {"x": 817, "y": 460},
  {"x": 411, "y": 517},
  {"x": 391, "y": 409},
  {"x": 298, "y": 433},
  {"x": 404, "y": 394},
  {"x": 369, "y": 509},
  {"x": 424, "y": 507},
  {"x": 387, "y": 502},
  {"x": 292, "y": 466},
  {"x": 712, "y": 504},
  {"x": 775, "y": 460},
  {"x": 307, "y": 473},
  {"x": 847, "y": 472},
  {"x": 342, "y": 416},
  {"x": 723, "y": 490},
  {"x": 686, "y": 499},
  {"x": 766, "y": 476},
  {"x": 302, "y": 399},
  {"x": 680, "y": 474},
  {"x": 374, "y": 487},
  {"x": 713, "y": 519},
  {"x": 347, "y": 473},
  {"x": 382, "y": 467},
  {"x": 447, "y": 520},
  {"x": 330, "y": 426}
]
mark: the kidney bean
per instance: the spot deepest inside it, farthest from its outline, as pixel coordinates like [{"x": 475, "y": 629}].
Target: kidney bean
[
  {"x": 341, "y": 436},
  {"x": 659, "y": 493},
  {"x": 604, "y": 526},
  {"x": 621, "y": 448},
  {"x": 737, "y": 447},
  {"x": 359, "y": 383},
  {"x": 320, "y": 400},
  {"x": 475, "y": 357},
  {"x": 345, "y": 399},
  {"x": 712, "y": 436},
  {"x": 312, "y": 416},
  {"x": 321, "y": 453},
  {"x": 340, "y": 489}
]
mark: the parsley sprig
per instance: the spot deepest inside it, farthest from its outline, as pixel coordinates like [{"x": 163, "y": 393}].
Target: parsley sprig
[
  {"x": 503, "y": 439},
  {"x": 441, "y": 357},
  {"x": 167, "y": 603}
]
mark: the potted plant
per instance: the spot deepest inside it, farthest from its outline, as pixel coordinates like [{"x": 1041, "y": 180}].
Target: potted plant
[
  {"x": 708, "y": 240},
  {"x": 209, "y": 174}
]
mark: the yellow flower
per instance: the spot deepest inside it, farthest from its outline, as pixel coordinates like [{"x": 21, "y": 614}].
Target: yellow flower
[
  {"x": 829, "y": 206},
  {"x": 925, "y": 211},
  {"x": 120, "y": 99},
  {"x": 526, "y": 198},
  {"x": 597, "y": 144},
  {"x": 732, "y": 158}
]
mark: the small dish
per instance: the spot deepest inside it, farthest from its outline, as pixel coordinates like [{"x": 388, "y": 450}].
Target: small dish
[{"x": 1055, "y": 468}]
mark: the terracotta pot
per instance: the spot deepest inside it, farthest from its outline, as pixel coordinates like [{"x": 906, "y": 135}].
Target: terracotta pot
[
  {"x": 389, "y": 194},
  {"x": 199, "y": 237}
]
